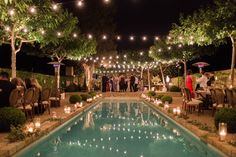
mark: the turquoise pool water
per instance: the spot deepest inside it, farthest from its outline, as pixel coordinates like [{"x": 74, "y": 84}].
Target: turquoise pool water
[{"x": 120, "y": 129}]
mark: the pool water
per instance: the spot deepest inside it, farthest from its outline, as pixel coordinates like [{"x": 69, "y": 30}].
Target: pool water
[{"x": 120, "y": 129}]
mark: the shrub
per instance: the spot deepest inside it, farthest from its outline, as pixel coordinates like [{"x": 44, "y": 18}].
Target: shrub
[
  {"x": 228, "y": 116},
  {"x": 16, "y": 134},
  {"x": 85, "y": 96},
  {"x": 175, "y": 89},
  {"x": 74, "y": 99},
  {"x": 92, "y": 94},
  {"x": 166, "y": 98},
  {"x": 151, "y": 93},
  {"x": 158, "y": 97},
  {"x": 11, "y": 116}
]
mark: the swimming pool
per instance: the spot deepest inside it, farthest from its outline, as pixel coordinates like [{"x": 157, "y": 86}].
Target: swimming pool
[{"x": 120, "y": 129}]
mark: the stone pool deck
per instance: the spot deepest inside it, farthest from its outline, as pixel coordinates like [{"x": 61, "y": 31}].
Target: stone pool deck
[{"x": 8, "y": 149}]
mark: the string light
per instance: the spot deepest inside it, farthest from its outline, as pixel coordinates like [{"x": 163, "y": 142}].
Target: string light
[
  {"x": 25, "y": 30},
  {"x": 7, "y": 28},
  {"x": 55, "y": 7},
  {"x": 90, "y": 36},
  {"x": 75, "y": 35},
  {"x": 11, "y": 12},
  {"x": 58, "y": 34},
  {"x": 106, "y": 1},
  {"x": 80, "y": 3},
  {"x": 104, "y": 37},
  {"x": 131, "y": 38},
  {"x": 156, "y": 38},
  {"x": 144, "y": 38},
  {"x": 42, "y": 32},
  {"x": 118, "y": 37},
  {"x": 33, "y": 10}
]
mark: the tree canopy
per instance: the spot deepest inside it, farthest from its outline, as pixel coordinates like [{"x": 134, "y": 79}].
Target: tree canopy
[
  {"x": 210, "y": 25},
  {"x": 26, "y": 22}
]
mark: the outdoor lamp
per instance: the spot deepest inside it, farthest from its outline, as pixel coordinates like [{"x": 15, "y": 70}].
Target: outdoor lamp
[{"x": 222, "y": 131}]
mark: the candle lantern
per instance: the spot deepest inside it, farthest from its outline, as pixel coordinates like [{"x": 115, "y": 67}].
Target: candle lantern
[
  {"x": 37, "y": 123},
  {"x": 222, "y": 131},
  {"x": 30, "y": 127},
  {"x": 166, "y": 106},
  {"x": 178, "y": 111},
  {"x": 80, "y": 104},
  {"x": 54, "y": 115},
  {"x": 174, "y": 111}
]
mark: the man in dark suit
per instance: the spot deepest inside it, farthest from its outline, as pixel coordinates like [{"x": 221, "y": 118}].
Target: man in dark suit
[{"x": 5, "y": 89}]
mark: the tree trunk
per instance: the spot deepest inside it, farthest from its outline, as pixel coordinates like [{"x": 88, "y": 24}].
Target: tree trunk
[
  {"x": 13, "y": 63},
  {"x": 162, "y": 75},
  {"x": 58, "y": 76},
  {"x": 141, "y": 75},
  {"x": 233, "y": 61},
  {"x": 149, "y": 83},
  {"x": 185, "y": 73},
  {"x": 13, "y": 54}
]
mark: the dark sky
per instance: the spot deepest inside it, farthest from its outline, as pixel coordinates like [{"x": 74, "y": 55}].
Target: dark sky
[{"x": 135, "y": 17}]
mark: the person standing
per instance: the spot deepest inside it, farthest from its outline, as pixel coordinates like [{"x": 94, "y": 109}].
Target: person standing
[
  {"x": 189, "y": 82},
  {"x": 132, "y": 85},
  {"x": 5, "y": 89},
  {"x": 136, "y": 84},
  {"x": 104, "y": 83}
]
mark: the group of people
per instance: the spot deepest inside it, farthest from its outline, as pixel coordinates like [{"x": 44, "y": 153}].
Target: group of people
[
  {"x": 202, "y": 83},
  {"x": 120, "y": 83},
  {"x": 7, "y": 85}
]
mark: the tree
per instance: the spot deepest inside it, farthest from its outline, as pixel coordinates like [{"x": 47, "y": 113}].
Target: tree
[
  {"x": 210, "y": 25},
  {"x": 25, "y": 22},
  {"x": 162, "y": 53},
  {"x": 68, "y": 44},
  {"x": 162, "y": 50},
  {"x": 139, "y": 59}
]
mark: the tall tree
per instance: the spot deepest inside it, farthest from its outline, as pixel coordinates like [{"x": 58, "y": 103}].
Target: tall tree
[
  {"x": 163, "y": 51},
  {"x": 25, "y": 22},
  {"x": 213, "y": 24},
  {"x": 69, "y": 43}
]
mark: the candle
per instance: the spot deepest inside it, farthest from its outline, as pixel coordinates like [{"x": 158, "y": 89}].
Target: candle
[
  {"x": 54, "y": 115},
  {"x": 37, "y": 123},
  {"x": 222, "y": 131}
]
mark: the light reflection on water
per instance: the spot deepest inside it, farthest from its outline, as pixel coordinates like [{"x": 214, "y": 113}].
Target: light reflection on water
[{"x": 129, "y": 129}]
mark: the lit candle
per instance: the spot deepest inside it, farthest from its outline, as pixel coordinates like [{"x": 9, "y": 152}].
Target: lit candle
[
  {"x": 174, "y": 111},
  {"x": 178, "y": 111},
  {"x": 222, "y": 131},
  {"x": 37, "y": 123},
  {"x": 54, "y": 115}
]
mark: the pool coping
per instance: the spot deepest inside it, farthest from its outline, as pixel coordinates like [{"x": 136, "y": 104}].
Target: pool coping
[
  {"x": 46, "y": 129},
  {"x": 210, "y": 139}
]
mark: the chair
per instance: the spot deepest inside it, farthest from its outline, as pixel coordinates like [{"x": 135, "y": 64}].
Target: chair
[
  {"x": 192, "y": 104},
  {"x": 14, "y": 97},
  {"x": 229, "y": 97},
  {"x": 27, "y": 105},
  {"x": 234, "y": 97},
  {"x": 219, "y": 100},
  {"x": 45, "y": 95},
  {"x": 35, "y": 100}
]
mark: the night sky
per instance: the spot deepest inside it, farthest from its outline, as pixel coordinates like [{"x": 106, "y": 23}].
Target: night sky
[{"x": 133, "y": 17}]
